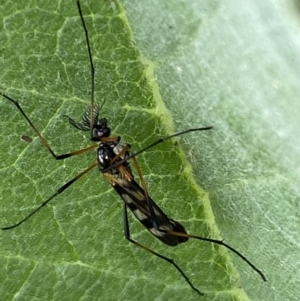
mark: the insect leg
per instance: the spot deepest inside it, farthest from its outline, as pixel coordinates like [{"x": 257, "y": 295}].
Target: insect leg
[
  {"x": 220, "y": 242},
  {"x": 44, "y": 141},
  {"x": 59, "y": 191},
  {"x": 158, "y": 141},
  {"x": 152, "y": 213},
  {"x": 169, "y": 260}
]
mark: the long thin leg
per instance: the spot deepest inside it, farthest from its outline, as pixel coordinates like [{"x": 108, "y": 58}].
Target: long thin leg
[
  {"x": 158, "y": 141},
  {"x": 220, "y": 242},
  {"x": 59, "y": 191},
  {"x": 169, "y": 260},
  {"x": 143, "y": 183},
  {"x": 44, "y": 141}
]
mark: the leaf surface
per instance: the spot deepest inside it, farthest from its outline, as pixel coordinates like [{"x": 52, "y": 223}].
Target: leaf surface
[{"x": 162, "y": 67}]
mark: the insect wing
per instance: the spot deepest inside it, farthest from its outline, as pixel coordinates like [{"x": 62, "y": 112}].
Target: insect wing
[{"x": 135, "y": 198}]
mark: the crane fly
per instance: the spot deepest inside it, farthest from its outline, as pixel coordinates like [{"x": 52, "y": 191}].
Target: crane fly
[{"x": 113, "y": 162}]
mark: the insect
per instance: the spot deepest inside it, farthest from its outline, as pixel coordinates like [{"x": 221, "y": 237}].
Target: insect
[
  {"x": 113, "y": 162},
  {"x": 26, "y": 138}
]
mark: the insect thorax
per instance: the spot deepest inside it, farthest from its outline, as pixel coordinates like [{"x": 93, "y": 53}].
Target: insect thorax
[{"x": 107, "y": 151}]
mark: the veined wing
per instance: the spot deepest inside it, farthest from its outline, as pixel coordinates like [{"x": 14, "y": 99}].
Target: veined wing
[{"x": 134, "y": 197}]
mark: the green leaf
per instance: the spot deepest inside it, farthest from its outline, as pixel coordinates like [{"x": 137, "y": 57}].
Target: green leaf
[{"x": 161, "y": 66}]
